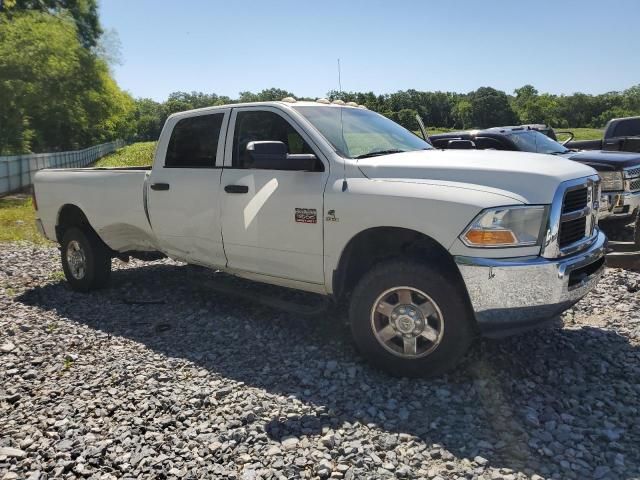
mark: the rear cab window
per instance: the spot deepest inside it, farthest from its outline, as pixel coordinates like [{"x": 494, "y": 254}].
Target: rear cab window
[
  {"x": 194, "y": 142},
  {"x": 627, "y": 128}
]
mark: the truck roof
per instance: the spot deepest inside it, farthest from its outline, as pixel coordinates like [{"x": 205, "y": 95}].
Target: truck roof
[{"x": 288, "y": 102}]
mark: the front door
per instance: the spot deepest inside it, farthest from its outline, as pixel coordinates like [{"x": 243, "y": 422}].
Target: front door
[
  {"x": 272, "y": 219},
  {"x": 183, "y": 192}
]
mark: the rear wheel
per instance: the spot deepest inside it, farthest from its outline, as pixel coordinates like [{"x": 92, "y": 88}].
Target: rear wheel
[
  {"x": 85, "y": 260},
  {"x": 410, "y": 319}
]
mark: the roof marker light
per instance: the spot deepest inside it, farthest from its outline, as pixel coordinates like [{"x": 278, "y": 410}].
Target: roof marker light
[
  {"x": 338, "y": 102},
  {"x": 323, "y": 100},
  {"x": 352, "y": 104},
  {"x": 289, "y": 100}
]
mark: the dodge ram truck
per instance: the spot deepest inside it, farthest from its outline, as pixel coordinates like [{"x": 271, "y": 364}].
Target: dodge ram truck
[{"x": 427, "y": 248}]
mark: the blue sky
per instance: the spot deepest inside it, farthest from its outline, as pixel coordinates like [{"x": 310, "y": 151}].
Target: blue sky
[{"x": 226, "y": 47}]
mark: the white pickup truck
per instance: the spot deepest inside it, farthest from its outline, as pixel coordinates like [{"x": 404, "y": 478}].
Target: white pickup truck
[{"x": 428, "y": 247}]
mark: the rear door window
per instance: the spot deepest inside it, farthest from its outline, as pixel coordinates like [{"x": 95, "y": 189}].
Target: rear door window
[{"x": 194, "y": 142}]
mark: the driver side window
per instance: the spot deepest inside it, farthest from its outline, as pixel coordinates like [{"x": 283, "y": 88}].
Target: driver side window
[{"x": 254, "y": 126}]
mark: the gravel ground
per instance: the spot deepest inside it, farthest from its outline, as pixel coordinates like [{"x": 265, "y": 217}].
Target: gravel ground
[{"x": 158, "y": 377}]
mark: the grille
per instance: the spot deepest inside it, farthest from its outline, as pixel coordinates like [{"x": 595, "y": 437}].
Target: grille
[
  {"x": 632, "y": 172},
  {"x": 572, "y": 231},
  {"x": 573, "y": 218},
  {"x": 634, "y": 184},
  {"x": 575, "y": 200}
]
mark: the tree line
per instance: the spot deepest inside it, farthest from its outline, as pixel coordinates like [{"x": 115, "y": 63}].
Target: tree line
[
  {"x": 57, "y": 90},
  {"x": 482, "y": 108}
]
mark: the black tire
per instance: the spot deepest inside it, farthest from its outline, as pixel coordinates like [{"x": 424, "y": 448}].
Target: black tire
[
  {"x": 442, "y": 288},
  {"x": 97, "y": 260}
]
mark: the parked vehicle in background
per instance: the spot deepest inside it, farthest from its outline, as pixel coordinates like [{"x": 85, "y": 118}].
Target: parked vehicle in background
[
  {"x": 620, "y": 134},
  {"x": 428, "y": 247},
  {"x": 619, "y": 171}
]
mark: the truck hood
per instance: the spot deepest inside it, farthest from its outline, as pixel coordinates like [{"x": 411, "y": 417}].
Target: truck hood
[
  {"x": 603, "y": 160},
  {"x": 525, "y": 177}
]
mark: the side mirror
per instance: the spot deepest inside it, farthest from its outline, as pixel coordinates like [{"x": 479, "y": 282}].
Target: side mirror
[
  {"x": 461, "y": 145},
  {"x": 272, "y": 155}
]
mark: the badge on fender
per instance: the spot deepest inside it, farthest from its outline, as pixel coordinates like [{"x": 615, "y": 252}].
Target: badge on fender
[{"x": 306, "y": 215}]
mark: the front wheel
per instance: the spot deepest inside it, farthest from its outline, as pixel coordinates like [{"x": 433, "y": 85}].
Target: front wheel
[
  {"x": 410, "y": 319},
  {"x": 85, "y": 260}
]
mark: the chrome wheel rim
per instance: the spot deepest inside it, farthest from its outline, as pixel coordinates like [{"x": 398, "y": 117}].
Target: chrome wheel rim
[
  {"x": 407, "y": 322},
  {"x": 76, "y": 260}
]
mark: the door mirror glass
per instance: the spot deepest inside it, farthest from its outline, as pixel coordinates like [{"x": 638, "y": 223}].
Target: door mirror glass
[{"x": 272, "y": 155}]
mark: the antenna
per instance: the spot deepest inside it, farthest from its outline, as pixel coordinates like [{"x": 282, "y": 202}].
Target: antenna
[{"x": 344, "y": 142}]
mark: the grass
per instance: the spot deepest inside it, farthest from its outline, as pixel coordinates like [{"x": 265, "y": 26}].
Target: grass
[
  {"x": 581, "y": 133},
  {"x": 68, "y": 362},
  {"x": 134, "y": 155},
  {"x": 17, "y": 220}
]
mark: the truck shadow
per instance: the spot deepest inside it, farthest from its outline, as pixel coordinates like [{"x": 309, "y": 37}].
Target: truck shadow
[{"x": 503, "y": 403}]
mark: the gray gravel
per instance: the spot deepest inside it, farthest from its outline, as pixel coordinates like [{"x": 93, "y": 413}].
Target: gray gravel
[{"x": 157, "y": 377}]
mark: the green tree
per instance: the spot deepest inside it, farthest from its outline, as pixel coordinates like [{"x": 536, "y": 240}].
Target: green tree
[
  {"x": 463, "y": 114},
  {"x": 489, "y": 108},
  {"x": 149, "y": 118},
  {"x": 266, "y": 95},
  {"x": 407, "y": 118},
  {"x": 83, "y": 12},
  {"x": 61, "y": 96}
]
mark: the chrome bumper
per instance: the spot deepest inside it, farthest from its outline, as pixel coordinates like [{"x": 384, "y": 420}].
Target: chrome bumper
[
  {"x": 620, "y": 204},
  {"x": 513, "y": 294}
]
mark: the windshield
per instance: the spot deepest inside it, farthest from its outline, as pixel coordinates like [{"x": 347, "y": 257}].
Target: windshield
[
  {"x": 364, "y": 133},
  {"x": 536, "y": 142}
]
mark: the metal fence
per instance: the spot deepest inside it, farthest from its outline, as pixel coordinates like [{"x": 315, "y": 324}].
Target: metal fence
[{"x": 16, "y": 171}]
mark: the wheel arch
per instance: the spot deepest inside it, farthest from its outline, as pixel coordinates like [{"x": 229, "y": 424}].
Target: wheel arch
[
  {"x": 71, "y": 215},
  {"x": 373, "y": 245}
]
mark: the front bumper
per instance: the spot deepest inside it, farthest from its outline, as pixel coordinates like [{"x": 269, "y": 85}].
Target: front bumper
[
  {"x": 509, "y": 295},
  {"x": 620, "y": 205}
]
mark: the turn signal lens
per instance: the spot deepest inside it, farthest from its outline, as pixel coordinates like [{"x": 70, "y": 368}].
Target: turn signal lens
[{"x": 490, "y": 237}]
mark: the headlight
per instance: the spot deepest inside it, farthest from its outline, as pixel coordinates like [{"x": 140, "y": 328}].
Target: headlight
[
  {"x": 611, "y": 181},
  {"x": 517, "y": 226}
]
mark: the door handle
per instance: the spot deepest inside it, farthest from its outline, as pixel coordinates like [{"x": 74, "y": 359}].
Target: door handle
[
  {"x": 236, "y": 189},
  {"x": 159, "y": 186}
]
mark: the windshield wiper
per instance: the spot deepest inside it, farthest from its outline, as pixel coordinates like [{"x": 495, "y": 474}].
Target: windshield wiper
[{"x": 378, "y": 153}]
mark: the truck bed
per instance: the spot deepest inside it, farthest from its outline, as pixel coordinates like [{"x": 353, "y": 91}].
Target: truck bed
[{"x": 112, "y": 199}]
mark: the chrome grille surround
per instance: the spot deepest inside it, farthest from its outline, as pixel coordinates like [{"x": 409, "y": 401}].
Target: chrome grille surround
[{"x": 551, "y": 247}]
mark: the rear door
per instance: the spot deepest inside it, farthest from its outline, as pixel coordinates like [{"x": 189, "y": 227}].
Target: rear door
[
  {"x": 272, "y": 219},
  {"x": 183, "y": 190}
]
